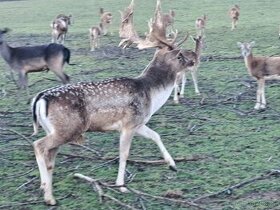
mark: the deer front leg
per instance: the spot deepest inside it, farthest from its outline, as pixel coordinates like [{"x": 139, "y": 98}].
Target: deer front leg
[
  {"x": 261, "y": 101},
  {"x": 150, "y": 134},
  {"x": 125, "y": 142},
  {"x": 182, "y": 92},
  {"x": 194, "y": 77},
  {"x": 176, "y": 93}
]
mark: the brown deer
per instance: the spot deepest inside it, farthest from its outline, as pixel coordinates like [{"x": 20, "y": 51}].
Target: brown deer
[
  {"x": 200, "y": 24},
  {"x": 60, "y": 28},
  {"x": 27, "y": 59},
  {"x": 95, "y": 34},
  {"x": 260, "y": 68},
  {"x": 105, "y": 20},
  {"x": 199, "y": 43},
  {"x": 234, "y": 14},
  {"x": 124, "y": 105}
]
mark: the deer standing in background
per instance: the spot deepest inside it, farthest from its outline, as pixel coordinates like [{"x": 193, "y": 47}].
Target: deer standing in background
[
  {"x": 200, "y": 24},
  {"x": 24, "y": 60},
  {"x": 105, "y": 20},
  {"x": 181, "y": 78},
  {"x": 234, "y": 14},
  {"x": 60, "y": 28},
  {"x": 260, "y": 68},
  {"x": 125, "y": 105},
  {"x": 96, "y": 32}
]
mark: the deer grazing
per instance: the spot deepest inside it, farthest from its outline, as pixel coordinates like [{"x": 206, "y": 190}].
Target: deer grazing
[
  {"x": 234, "y": 14},
  {"x": 60, "y": 28},
  {"x": 260, "y": 68},
  {"x": 124, "y": 105},
  {"x": 105, "y": 20},
  {"x": 181, "y": 78},
  {"x": 24, "y": 60}
]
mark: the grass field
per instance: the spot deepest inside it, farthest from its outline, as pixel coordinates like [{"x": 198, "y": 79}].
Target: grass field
[{"x": 227, "y": 140}]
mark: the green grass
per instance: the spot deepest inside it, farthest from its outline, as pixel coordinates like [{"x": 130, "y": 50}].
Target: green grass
[{"x": 236, "y": 142}]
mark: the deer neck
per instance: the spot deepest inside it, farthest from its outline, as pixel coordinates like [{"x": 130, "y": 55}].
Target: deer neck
[
  {"x": 5, "y": 51},
  {"x": 248, "y": 61},
  {"x": 160, "y": 80},
  {"x": 198, "y": 50}
]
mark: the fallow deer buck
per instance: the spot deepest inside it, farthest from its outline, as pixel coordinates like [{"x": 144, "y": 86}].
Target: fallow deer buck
[
  {"x": 125, "y": 105},
  {"x": 194, "y": 70},
  {"x": 260, "y": 68},
  {"x": 200, "y": 24},
  {"x": 234, "y": 14},
  {"x": 60, "y": 28},
  {"x": 24, "y": 60}
]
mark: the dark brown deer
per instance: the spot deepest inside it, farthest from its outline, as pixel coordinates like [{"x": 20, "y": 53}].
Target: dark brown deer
[
  {"x": 125, "y": 105},
  {"x": 24, "y": 60}
]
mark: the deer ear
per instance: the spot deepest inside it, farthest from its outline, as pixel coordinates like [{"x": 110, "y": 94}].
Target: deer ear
[
  {"x": 239, "y": 44},
  {"x": 252, "y": 44}
]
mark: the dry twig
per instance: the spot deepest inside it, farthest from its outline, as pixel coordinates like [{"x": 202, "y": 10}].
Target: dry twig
[{"x": 230, "y": 189}]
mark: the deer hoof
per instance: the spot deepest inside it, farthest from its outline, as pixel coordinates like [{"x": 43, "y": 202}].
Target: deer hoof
[
  {"x": 257, "y": 106},
  {"x": 173, "y": 168},
  {"x": 124, "y": 190},
  {"x": 50, "y": 201}
]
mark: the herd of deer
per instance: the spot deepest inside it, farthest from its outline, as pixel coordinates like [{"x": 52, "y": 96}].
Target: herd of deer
[{"x": 124, "y": 104}]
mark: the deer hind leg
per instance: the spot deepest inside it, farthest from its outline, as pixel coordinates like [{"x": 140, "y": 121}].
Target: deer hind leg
[
  {"x": 194, "y": 77},
  {"x": 56, "y": 66},
  {"x": 150, "y": 134},
  {"x": 45, "y": 151},
  {"x": 125, "y": 142},
  {"x": 22, "y": 79}
]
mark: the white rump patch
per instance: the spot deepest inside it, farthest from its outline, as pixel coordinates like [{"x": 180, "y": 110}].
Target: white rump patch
[{"x": 41, "y": 113}]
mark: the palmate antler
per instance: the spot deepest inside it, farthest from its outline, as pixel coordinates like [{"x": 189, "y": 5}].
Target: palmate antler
[
  {"x": 156, "y": 37},
  {"x": 127, "y": 32},
  {"x": 157, "y": 33}
]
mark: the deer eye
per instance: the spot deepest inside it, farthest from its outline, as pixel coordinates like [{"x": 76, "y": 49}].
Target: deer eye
[{"x": 180, "y": 57}]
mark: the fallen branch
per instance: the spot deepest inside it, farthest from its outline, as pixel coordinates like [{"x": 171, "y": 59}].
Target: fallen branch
[
  {"x": 26, "y": 183},
  {"x": 13, "y": 131},
  {"x": 101, "y": 193},
  {"x": 229, "y": 190},
  {"x": 177, "y": 201}
]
